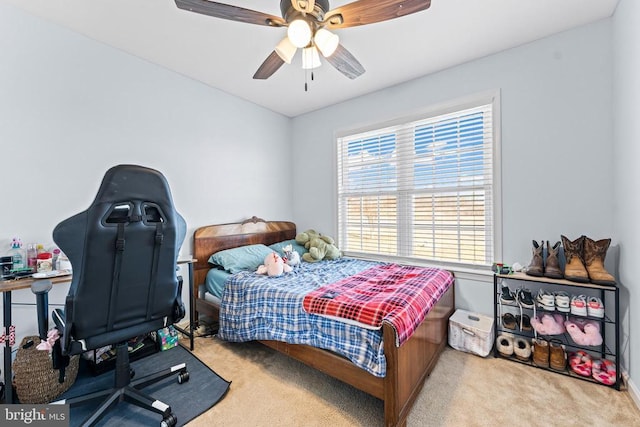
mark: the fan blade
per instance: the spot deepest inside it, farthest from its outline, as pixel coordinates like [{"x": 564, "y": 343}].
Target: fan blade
[
  {"x": 232, "y": 13},
  {"x": 364, "y": 12},
  {"x": 305, "y": 6},
  {"x": 345, "y": 62},
  {"x": 269, "y": 66}
]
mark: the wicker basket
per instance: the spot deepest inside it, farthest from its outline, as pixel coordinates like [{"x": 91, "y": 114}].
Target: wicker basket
[{"x": 34, "y": 379}]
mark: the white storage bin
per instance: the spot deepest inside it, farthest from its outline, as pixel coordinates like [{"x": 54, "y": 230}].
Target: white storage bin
[{"x": 471, "y": 332}]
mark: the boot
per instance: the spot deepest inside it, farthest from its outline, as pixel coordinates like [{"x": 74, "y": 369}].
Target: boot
[
  {"x": 557, "y": 355},
  {"x": 574, "y": 269},
  {"x": 540, "y": 350},
  {"x": 552, "y": 266},
  {"x": 594, "y": 254},
  {"x": 536, "y": 267}
]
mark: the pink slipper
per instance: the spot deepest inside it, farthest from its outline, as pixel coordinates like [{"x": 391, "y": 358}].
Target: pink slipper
[
  {"x": 578, "y": 336},
  {"x": 581, "y": 363},
  {"x": 592, "y": 334},
  {"x": 604, "y": 371}
]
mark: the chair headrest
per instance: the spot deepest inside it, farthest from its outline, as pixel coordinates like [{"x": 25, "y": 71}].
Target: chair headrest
[{"x": 125, "y": 182}]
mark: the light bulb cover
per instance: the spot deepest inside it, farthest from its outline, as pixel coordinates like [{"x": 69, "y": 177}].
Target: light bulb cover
[
  {"x": 286, "y": 50},
  {"x": 310, "y": 58},
  {"x": 326, "y": 41},
  {"x": 299, "y": 33}
]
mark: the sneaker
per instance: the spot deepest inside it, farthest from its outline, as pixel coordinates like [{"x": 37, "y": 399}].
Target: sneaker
[
  {"x": 545, "y": 300},
  {"x": 595, "y": 308},
  {"x": 507, "y": 297},
  {"x": 524, "y": 298},
  {"x": 562, "y": 301},
  {"x": 579, "y": 305}
]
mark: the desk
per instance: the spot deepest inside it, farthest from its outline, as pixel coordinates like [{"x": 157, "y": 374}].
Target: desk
[{"x": 6, "y": 287}]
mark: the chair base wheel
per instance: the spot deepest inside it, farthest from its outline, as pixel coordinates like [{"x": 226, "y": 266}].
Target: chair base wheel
[
  {"x": 183, "y": 377},
  {"x": 169, "y": 421}
]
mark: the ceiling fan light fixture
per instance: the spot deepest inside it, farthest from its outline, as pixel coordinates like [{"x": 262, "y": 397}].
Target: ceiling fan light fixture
[
  {"x": 326, "y": 41},
  {"x": 299, "y": 33},
  {"x": 310, "y": 58},
  {"x": 286, "y": 50}
]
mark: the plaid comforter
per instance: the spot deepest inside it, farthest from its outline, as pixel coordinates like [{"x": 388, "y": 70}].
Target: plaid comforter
[
  {"x": 400, "y": 295},
  {"x": 258, "y": 307}
]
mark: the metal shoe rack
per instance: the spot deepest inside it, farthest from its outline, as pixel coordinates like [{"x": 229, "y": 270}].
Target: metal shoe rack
[{"x": 610, "y": 324}]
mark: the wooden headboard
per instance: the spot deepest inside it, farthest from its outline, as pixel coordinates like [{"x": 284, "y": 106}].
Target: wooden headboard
[{"x": 210, "y": 239}]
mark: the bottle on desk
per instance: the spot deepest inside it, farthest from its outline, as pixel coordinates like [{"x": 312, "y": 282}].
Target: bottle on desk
[
  {"x": 32, "y": 256},
  {"x": 17, "y": 259}
]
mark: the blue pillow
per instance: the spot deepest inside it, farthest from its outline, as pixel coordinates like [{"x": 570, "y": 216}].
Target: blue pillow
[
  {"x": 242, "y": 258},
  {"x": 295, "y": 245}
]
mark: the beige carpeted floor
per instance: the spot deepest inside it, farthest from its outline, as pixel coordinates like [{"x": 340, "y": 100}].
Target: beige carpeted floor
[{"x": 269, "y": 389}]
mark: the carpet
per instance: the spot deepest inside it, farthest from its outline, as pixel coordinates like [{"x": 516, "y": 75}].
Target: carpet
[
  {"x": 271, "y": 389},
  {"x": 204, "y": 389}
]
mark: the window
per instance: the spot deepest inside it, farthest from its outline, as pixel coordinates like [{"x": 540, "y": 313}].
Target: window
[{"x": 423, "y": 188}]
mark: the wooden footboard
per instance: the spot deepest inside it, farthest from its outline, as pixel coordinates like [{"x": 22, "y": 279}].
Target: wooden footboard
[{"x": 407, "y": 366}]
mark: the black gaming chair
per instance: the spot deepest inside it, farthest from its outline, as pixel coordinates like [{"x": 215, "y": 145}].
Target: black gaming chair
[{"x": 123, "y": 250}]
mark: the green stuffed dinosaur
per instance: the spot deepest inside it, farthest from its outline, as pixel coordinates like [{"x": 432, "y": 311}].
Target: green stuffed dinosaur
[{"x": 320, "y": 247}]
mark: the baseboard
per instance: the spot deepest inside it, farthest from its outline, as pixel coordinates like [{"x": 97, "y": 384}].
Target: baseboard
[{"x": 633, "y": 390}]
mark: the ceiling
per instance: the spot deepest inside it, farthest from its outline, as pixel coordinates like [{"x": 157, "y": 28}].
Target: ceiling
[{"x": 225, "y": 54}]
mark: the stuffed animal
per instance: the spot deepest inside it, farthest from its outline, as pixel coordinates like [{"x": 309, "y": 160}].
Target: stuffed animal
[
  {"x": 291, "y": 257},
  {"x": 320, "y": 247},
  {"x": 273, "y": 265}
]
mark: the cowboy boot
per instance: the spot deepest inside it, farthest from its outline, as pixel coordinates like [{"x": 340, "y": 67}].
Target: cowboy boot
[
  {"x": 552, "y": 266},
  {"x": 574, "y": 269},
  {"x": 536, "y": 267},
  {"x": 594, "y": 254}
]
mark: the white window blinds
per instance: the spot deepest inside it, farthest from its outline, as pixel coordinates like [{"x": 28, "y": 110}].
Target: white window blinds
[{"x": 420, "y": 190}]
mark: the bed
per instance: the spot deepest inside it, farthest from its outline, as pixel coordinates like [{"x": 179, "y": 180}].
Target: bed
[{"x": 407, "y": 366}]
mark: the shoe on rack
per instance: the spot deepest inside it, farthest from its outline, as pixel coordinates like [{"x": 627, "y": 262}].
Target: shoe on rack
[
  {"x": 557, "y": 355},
  {"x": 522, "y": 349},
  {"x": 581, "y": 363},
  {"x": 604, "y": 371},
  {"x": 595, "y": 308},
  {"x": 524, "y": 298},
  {"x": 548, "y": 324},
  {"x": 574, "y": 268},
  {"x": 563, "y": 301},
  {"x": 507, "y": 297},
  {"x": 540, "y": 351},
  {"x": 546, "y": 300},
  {"x": 579, "y": 305},
  {"x": 524, "y": 322},
  {"x": 552, "y": 265},
  {"x": 536, "y": 266},
  {"x": 504, "y": 344},
  {"x": 509, "y": 321},
  {"x": 594, "y": 254}
]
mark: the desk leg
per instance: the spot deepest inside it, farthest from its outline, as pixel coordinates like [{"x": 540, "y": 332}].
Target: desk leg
[
  {"x": 6, "y": 308},
  {"x": 192, "y": 306}
]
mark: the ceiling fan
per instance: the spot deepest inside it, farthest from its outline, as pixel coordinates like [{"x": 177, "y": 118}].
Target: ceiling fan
[{"x": 307, "y": 23}]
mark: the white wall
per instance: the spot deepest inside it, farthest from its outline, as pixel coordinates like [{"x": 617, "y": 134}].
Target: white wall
[
  {"x": 70, "y": 108},
  {"x": 626, "y": 150},
  {"x": 557, "y": 170}
]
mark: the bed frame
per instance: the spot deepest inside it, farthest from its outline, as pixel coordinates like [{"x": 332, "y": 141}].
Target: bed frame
[{"x": 407, "y": 366}]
